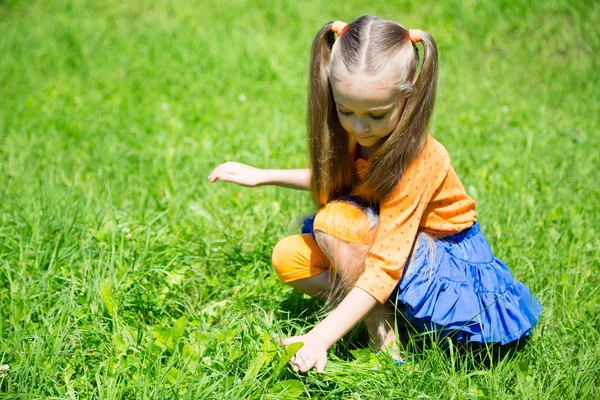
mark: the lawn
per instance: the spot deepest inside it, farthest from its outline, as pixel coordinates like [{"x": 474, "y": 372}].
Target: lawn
[{"x": 125, "y": 274}]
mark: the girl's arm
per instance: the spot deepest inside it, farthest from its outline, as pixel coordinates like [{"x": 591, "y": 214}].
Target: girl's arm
[
  {"x": 355, "y": 306},
  {"x": 246, "y": 175}
]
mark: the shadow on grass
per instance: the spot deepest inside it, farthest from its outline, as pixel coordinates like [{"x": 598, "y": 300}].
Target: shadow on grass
[
  {"x": 478, "y": 357},
  {"x": 307, "y": 312},
  {"x": 468, "y": 357},
  {"x": 299, "y": 307}
]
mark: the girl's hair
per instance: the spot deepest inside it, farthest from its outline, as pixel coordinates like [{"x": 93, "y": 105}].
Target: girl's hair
[{"x": 382, "y": 48}]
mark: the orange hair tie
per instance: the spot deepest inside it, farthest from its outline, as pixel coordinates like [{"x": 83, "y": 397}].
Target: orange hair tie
[
  {"x": 339, "y": 27},
  {"x": 415, "y": 35}
]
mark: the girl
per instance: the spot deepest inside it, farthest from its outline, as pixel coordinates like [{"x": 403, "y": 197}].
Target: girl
[{"x": 395, "y": 229}]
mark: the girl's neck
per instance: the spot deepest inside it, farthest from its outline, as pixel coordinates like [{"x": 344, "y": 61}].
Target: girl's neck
[{"x": 365, "y": 152}]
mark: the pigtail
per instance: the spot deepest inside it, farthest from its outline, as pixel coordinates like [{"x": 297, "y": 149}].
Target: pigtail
[
  {"x": 327, "y": 142},
  {"x": 421, "y": 102}
]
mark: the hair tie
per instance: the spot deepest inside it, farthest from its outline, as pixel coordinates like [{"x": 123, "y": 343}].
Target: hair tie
[
  {"x": 415, "y": 35},
  {"x": 339, "y": 27}
]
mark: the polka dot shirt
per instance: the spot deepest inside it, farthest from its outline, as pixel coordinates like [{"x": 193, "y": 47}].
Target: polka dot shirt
[{"x": 429, "y": 198}]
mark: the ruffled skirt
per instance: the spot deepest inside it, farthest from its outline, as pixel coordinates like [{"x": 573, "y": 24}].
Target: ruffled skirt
[{"x": 456, "y": 287}]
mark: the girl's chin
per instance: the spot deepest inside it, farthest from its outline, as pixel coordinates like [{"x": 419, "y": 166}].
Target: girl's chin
[{"x": 367, "y": 142}]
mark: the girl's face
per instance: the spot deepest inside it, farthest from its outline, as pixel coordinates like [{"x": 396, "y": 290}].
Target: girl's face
[{"x": 368, "y": 107}]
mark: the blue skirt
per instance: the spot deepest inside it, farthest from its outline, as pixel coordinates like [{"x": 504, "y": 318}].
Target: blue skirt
[
  {"x": 465, "y": 293},
  {"x": 455, "y": 287}
]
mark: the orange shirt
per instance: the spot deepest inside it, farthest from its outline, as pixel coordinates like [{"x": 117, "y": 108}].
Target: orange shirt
[{"x": 429, "y": 198}]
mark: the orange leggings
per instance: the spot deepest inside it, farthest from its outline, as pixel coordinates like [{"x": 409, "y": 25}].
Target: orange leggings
[{"x": 299, "y": 256}]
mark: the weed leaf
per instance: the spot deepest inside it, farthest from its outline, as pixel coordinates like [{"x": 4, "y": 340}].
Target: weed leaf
[
  {"x": 288, "y": 389},
  {"x": 178, "y": 330},
  {"x": 264, "y": 356},
  {"x": 108, "y": 299},
  {"x": 256, "y": 365},
  {"x": 287, "y": 354},
  {"x": 163, "y": 336}
]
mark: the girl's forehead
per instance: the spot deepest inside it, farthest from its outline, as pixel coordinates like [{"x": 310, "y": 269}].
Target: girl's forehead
[{"x": 364, "y": 91}]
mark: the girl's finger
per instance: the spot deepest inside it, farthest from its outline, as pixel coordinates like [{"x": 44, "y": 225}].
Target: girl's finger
[
  {"x": 226, "y": 176},
  {"x": 295, "y": 363},
  {"x": 220, "y": 177},
  {"x": 290, "y": 340},
  {"x": 215, "y": 172},
  {"x": 321, "y": 363},
  {"x": 307, "y": 364},
  {"x": 298, "y": 363}
]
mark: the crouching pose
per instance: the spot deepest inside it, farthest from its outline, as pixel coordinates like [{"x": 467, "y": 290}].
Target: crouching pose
[{"x": 395, "y": 231}]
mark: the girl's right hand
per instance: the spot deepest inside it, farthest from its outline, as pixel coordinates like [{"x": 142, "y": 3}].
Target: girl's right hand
[
  {"x": 312, "y": 355},
  {"x": 239, "y": 173}
]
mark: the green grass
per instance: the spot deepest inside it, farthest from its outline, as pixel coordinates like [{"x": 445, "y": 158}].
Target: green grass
[{"x": 125, "y": 274}]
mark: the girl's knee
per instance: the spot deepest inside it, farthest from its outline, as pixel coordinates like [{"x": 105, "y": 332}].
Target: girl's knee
[
  {"x": 282, "y": 254},
  {"x": 347, "y": 259},
  {"x": 297, "y": 257},
  {"x": 346, "y": 221}
]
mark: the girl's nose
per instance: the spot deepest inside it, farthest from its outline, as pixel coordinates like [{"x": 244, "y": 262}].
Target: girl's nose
[{"x": 360, "y": 127}]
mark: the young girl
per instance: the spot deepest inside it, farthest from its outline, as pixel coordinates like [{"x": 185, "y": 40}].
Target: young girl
[{"x": 396, "y": 230}]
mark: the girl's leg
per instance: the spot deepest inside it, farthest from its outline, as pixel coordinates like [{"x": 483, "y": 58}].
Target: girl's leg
[
  {"x": 382, "y": 326},
  {"x": 347, "y": 260},
  {"x": 346, "y": 263},
  {"x": 329, "y": 267},
  {"x": 300, "y": 263},
  {"x": 317, "y": 286}
]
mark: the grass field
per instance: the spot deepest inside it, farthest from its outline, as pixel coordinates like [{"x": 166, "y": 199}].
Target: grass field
[{"x": 124, "y": 274}]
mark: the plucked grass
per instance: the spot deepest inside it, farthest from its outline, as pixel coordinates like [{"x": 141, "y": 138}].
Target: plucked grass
[{"x": 125, "y": 274}]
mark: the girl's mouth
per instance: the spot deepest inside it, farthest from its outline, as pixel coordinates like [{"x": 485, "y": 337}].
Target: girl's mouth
[{"x": 363, "y": 137}]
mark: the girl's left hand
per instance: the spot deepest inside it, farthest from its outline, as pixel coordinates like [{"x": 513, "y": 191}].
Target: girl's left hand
[{"x": 312, "y": 355}]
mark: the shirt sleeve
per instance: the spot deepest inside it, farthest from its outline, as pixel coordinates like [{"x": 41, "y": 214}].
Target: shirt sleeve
[{"x": 399, "y": 218}]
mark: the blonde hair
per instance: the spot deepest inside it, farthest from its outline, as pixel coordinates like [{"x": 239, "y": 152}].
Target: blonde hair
[{"x": 374, "y": 46}]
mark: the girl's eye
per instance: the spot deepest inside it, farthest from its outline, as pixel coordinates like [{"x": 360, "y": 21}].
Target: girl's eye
[{"x": 374, "y": 117}]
